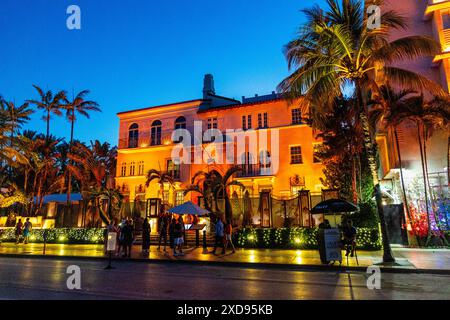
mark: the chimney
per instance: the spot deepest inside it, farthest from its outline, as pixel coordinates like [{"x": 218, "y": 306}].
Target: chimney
[{"x": 208, "y": 86}]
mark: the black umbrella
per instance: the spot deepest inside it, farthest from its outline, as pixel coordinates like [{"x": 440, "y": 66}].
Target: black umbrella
[{"x": 333, "y": 206}]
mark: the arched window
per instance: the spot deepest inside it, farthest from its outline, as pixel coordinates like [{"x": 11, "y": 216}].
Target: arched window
[
  {"x": 123, "y": 169},
  {"x": 133, "y": 136},
  {"x": 180, "y": 123},
  {"x": 156, "y": 133},
  {"x": 132, "y": 168}
]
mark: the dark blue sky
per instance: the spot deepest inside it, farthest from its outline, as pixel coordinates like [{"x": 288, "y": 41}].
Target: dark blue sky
[{"x": 138, "y": 53}]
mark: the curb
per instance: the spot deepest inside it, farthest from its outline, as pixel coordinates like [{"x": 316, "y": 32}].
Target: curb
[{"x": 263, "y": 265}]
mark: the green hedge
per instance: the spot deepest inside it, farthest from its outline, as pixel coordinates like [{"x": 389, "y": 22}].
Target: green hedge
[
  {"x": 298, "y": 238},
  {"x": 58, "y": 235}
]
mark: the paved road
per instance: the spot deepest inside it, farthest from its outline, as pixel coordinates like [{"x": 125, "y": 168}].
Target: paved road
[{"x": 32, "y": 278}]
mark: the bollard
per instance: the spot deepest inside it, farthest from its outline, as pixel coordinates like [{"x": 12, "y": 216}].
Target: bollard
[
  {"x": 45, "y": 239},
  {"x": 204, "y": 239}
]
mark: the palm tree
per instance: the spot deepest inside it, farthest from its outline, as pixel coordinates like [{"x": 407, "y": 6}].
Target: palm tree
[
  {"x": 336, "y": 52},
  {"x": 219, "y": 184},
  {"x": 49, "y": 103},
  {"x": 78, "y": 105},
  {"x": 82, "y": 107},
  {"x": 92, "y": 166},
  {"x": 16, "y": 116},
  {"x": 427, "y": 116},
  {"x": 161, "y": 177},
  {"x": 384, "y": 111}
]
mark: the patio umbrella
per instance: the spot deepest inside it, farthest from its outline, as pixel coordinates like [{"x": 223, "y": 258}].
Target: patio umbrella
[
  {"x": 189, "y": 208},
  {"x": 334, "y": 206}
]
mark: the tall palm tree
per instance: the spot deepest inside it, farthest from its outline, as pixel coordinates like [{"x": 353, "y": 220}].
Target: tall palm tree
[
  {"x": 427, "y": 116},
  {"x": 49, "y": 103},
  {"x": 384, "y": 112},
  {"x": 80, "y": 106},
  {"x": 336, "y": 52},
  {"x": 161, "y": 177}
]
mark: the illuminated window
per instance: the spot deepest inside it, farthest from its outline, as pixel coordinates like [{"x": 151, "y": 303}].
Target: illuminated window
[
  {"x": 179, "y": 198},
  {"x": 173, "y": 169},
  {"x": 132, "y": 168},
  {"x": 296, "y": 116},
  {"x": 133, "y": 136},
  {"x": 156, "y": 133},
  {"x": 123, "y": 170},
  {"x": 141, "y": 168},
  {"x": 446, "y": 20},
  {"x": 296, "y": 155}
]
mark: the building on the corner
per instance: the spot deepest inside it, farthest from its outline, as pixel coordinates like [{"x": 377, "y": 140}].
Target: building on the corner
[
  {"x": 429, "y": 18},
  {"x": 145, "y": 142}
]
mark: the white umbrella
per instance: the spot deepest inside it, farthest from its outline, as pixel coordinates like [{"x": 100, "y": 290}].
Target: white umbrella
[{"x": 189, "y": 208}]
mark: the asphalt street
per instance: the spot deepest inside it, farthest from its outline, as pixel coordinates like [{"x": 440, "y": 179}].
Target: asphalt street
[{"x": 34, "y": 278}]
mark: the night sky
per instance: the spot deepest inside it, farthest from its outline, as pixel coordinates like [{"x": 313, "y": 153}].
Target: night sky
[{"x": 138, "y": 53}]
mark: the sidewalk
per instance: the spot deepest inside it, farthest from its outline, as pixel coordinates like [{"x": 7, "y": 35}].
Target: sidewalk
[{"x": 408, "y": 260}]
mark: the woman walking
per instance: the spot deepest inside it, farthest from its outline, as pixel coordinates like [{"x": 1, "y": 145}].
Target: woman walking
[
  {"x": 26, "y": 230},
  {"x": 178, "y": 237},
  {"x": 229, "y": 236},
  {"x": 146, "y": 230},
  {"x": 128, "y": 238},
  {"x": 18, "y": 231}
]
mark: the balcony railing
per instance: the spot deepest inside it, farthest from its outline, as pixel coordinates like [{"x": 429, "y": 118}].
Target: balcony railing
[{"x": 254, "y": 170}]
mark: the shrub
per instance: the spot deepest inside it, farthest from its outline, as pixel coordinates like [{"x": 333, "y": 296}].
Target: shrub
[
  {"x": 59, "y": 235},
  {"x": 298, "y": 238}
]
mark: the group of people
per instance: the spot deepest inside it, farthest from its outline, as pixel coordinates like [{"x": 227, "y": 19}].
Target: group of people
[
  {"x": 125, "y": 236},
  {"x": 348, "y": 237},
  {"x": 224, "y": 236},
  {"x": 175, "y": 229},
  {"x": 22, "y": 231}
]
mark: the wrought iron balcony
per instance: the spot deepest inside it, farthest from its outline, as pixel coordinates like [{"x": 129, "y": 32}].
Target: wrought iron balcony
[{"x": 254, "y": 170}]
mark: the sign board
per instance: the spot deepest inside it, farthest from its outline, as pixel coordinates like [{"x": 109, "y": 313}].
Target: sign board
[
  {"x": 197, "y": 227},
  {"x": 112, "y": 239},
  {"x": 332, "y": 245}
]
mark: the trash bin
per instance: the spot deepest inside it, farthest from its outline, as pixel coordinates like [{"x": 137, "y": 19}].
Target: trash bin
[{"x": 321, "y": 246}]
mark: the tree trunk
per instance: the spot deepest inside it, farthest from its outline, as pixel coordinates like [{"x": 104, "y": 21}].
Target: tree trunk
[
  {"x": 402, "y": 181},
  {"x": 419, "y": 137},
  {"x": 48, "y": 124},
  {"x": 371, "y": 158}
]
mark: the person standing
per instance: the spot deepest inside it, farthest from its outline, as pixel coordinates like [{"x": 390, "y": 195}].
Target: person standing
[
  {"x": 26, "y": 230},
  {"x": 128, "y": 238},
  {"x": 229, "y": 236},
  {"x": 146, "y": 230},
  {"x": 173, "y": 222},
  {"x": 120, "y": 236},
  {"x": 163, "y": 227},
  {"x": 18, "y": 231},
  {"x": 178, "y": 237},
  {"x": 219, "y": 236}
]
